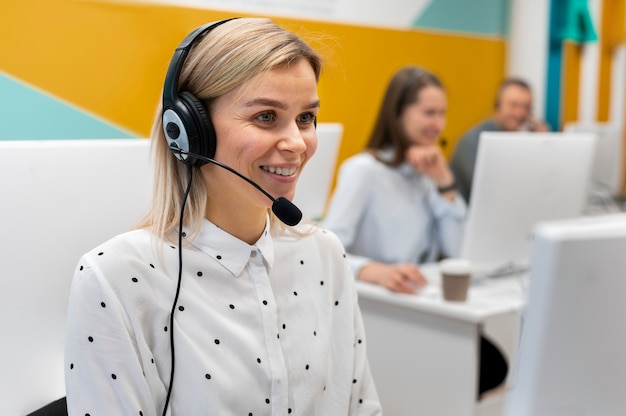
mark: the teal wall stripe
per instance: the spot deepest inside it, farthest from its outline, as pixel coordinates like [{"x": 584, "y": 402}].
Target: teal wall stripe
[
  {"x": 30, "y": 114},
  {"x": 484, "y": 17},
  {"x": 553, "y": 76}
]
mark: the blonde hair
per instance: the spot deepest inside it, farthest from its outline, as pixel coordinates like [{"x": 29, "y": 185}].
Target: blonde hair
[{"x": 225, "y": 58}]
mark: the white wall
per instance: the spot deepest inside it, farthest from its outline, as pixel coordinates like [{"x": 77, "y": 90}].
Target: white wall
[
  {"x": 388, "y": 13},
  {"x": 589, "y": 71},
  {"x": 527, "y": 50},
  {"x": 618, "y": 87}
]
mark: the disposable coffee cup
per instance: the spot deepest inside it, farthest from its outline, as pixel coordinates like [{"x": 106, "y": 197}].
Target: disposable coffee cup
[{"x": 455, "y": 279}]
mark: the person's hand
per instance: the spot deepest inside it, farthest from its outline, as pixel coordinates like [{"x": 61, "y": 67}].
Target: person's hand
[
  {"x": 430, "y": 161},
  {"x": 401, "y": 278},
  {"x": 538, "y": 126}
]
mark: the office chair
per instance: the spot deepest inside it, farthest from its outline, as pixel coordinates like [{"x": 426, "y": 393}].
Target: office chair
[{"x": 56, "y": 408}]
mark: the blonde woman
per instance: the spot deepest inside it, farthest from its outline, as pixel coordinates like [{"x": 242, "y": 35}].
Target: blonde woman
[{"x": 222, "y": 310}]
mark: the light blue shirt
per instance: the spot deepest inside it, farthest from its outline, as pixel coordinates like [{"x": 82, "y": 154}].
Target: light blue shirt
[{"x": 392, "y": 214}]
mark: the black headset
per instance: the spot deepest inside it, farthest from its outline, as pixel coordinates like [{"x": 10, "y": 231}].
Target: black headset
[
  {"x": 186, "y": 123},
  {"x": 188, "y": 128}
]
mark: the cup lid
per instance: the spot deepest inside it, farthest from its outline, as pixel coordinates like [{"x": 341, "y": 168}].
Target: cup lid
[{"x": 455, "y": 266}]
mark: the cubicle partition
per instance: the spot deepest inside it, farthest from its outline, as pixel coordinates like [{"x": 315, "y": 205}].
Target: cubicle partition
[{"x": 60, "y": 198}]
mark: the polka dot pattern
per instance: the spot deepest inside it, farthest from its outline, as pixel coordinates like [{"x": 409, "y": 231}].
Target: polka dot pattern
[{"x": 219, "y": 323}]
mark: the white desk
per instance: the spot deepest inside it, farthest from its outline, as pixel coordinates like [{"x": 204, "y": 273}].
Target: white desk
[{"x": 423, "y": 351}]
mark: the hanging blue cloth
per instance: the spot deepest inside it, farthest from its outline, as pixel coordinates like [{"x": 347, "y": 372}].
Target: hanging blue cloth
[{"x": 571, "y": 20}]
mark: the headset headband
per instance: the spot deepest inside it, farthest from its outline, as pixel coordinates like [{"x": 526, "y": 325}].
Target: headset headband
[{"x": 180, "y": 55}]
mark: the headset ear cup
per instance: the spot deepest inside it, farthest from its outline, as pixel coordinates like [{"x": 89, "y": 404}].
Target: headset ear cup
[{"x": 203, "y": 141}]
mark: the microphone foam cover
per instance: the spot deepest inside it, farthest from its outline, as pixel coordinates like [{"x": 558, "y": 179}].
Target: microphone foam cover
[{"x": 286, "y": 211}]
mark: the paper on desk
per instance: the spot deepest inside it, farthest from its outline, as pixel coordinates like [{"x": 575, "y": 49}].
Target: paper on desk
[{"x": 430, "y": 291}]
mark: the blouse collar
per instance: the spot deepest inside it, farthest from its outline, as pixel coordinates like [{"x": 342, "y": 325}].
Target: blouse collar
[{"x": 230, "y": 251}]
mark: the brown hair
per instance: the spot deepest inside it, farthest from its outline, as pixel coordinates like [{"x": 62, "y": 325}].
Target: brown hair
[{"x": 403, "y": 89}]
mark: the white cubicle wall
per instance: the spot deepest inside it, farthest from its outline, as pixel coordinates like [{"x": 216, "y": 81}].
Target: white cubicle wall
[{"x": 59, "y": 199}]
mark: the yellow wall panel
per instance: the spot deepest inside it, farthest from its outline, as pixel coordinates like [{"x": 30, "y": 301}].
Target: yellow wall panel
[
  {"x": 571, "y": 81},
  {"x": 110, "y": 58},
  {"x": 612, "y": 32}
]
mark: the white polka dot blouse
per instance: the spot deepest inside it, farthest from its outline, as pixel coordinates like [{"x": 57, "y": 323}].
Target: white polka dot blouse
[{"x": 272, "y": 328}]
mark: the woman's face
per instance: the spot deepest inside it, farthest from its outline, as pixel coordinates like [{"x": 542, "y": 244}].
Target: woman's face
[
  {"x": 265, "y": 130},
  {"x": 425, "y": 119}
]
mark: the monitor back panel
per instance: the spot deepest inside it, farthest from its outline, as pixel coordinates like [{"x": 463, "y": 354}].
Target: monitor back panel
[
  {"x": 315, "y": 181},
  {"x": 519, "y": 180},
  {"x": 606, "y": 169},
  {"x": 571, "y": 358}
]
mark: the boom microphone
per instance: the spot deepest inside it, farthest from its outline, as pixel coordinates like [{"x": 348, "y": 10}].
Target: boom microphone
[{"x": 283, "y": 208}]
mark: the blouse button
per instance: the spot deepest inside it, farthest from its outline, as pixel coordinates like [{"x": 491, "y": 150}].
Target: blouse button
[{"x": 253, "y": 253}]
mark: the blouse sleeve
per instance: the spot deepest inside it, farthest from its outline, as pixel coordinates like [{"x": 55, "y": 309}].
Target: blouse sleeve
[
  {"x": 347, "y": 206},
  {"x": 103, "y": 370},
  {"x": 450, "y": 221},
  {"x": 349, "y": 341}
]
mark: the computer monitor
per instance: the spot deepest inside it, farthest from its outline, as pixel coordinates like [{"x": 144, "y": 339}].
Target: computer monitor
[
  {"x": 520, "y": 179},
  {"x": 60, "y": 198},
  {"x": 316, "y": 179},
  {"x": 606, "y": 169},
  {"x": 571, "y": 358}
]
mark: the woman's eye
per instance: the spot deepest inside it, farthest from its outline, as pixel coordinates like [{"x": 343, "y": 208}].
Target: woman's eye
[
  {"x": 266, "y": 117},
  {"x": 433, "y": 112},
  {"x": 306, "y": 118}
]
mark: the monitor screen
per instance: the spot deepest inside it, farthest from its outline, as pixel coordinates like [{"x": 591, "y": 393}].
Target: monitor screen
[
  {"x": 571, "y": 358},
  {"x": 520, "y": 179}
]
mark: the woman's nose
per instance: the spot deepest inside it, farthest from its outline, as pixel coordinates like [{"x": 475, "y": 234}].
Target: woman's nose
[{"x": 292, "y": 140}]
